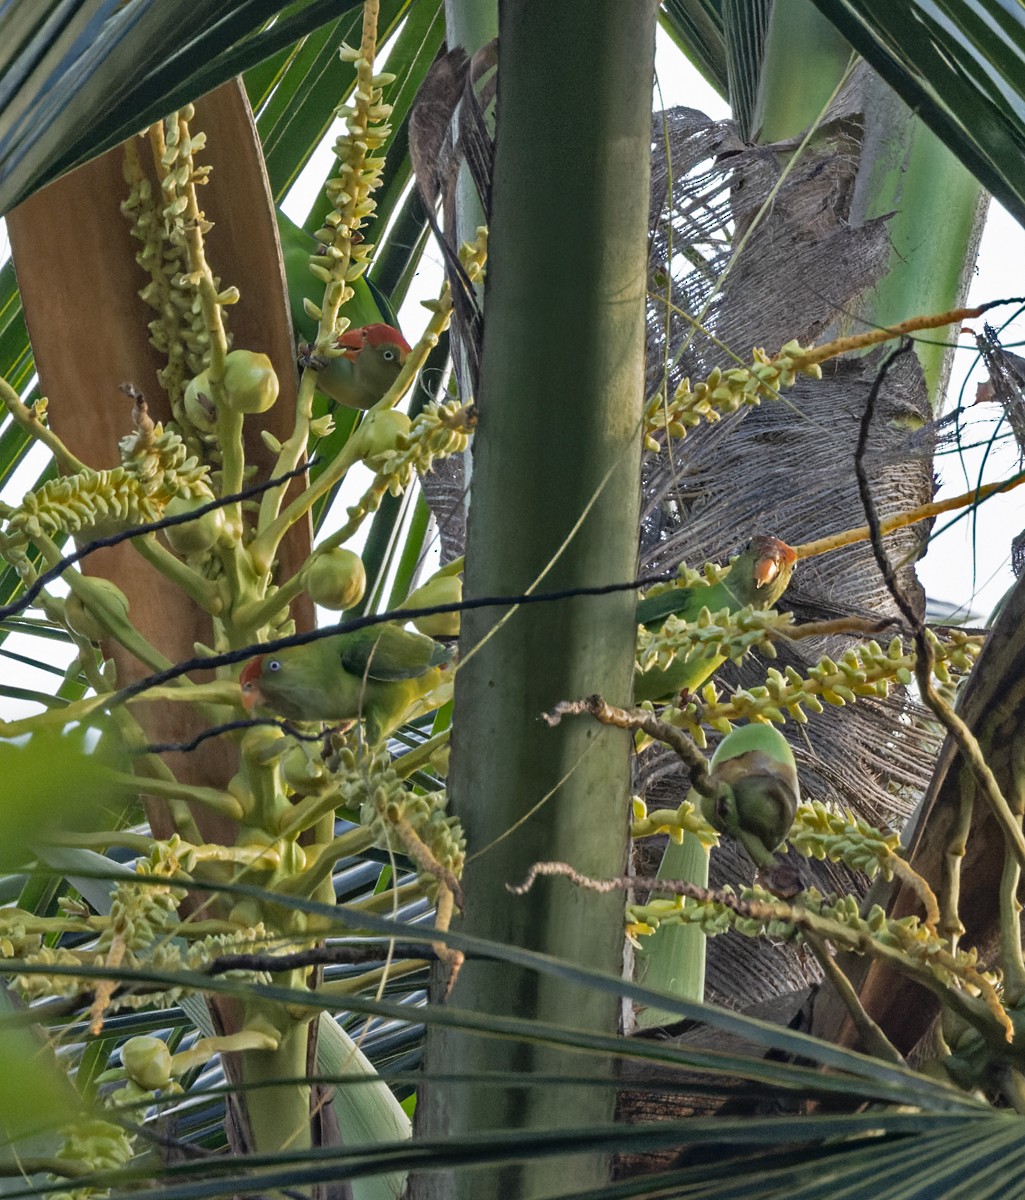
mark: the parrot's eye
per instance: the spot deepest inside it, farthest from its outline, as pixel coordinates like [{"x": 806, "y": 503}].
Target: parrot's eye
[
  {"x": 387, "y": 355},
  {"x": 273, "y": 665}
]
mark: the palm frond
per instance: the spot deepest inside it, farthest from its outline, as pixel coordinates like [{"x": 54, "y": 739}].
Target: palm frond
[{"x": 959, "y": 64}]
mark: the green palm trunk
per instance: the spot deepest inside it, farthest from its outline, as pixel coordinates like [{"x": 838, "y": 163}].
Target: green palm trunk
[{"x": 554, "y": 500}]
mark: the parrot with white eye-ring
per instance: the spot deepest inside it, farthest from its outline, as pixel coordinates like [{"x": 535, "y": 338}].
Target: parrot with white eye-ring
[
  {"x": 383, "y": 675},
  {"x": 372, "y": 324},
  {"x": 371, "y": 359}
]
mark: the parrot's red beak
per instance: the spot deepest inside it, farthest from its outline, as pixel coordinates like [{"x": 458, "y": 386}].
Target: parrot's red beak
[
  {"x": 250, "y": 681},
  {"x": 778, "y": 556},
  {"x": 351, "y": 343}
]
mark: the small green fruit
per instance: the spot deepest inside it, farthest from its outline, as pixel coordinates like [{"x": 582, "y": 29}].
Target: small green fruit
[
  {"x": 147, "y": 1061},
  {"x": 335, "y": 579},
  {"x": 250, "y": 381},
  {"x": 439, "y": 589},
  {"x": 199, "y": 404},
  {"x": 193, "y": 537},
  {"x": 380, "y": 433}
]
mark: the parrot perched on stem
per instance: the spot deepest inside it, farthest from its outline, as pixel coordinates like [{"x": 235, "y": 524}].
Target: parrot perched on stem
[
  {"x": 372, "y": 357},
  {"x": 383, "y": 675},
  {"x": 758, "y": 577},
  {"x": 759, "y": 790},
  {"x": 352, "y": 379}
]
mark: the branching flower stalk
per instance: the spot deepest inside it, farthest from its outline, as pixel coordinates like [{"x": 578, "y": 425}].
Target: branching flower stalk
[
  {"x": 865, "y": 670},
  {"x": 143, "y": 927},
  {"x": 672, "y": 821},
  {"x": 819, "y": 832},
  {"x": 345, "y": 254},
  {"x": 152, "y": 472},
  {"x": 32, "y": 421},
  {"x": 173, "y": 331},
  {"x": 186, "y": 223},
  {"x": 284, "y": 796},
  {"x": 906, "y": 945},
  {"x": 274, "y": 798},
  {"x": 726, "y": 391}
]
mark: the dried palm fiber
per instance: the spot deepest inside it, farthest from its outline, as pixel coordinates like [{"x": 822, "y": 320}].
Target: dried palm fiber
[
  {"x": 450, "y": 125},
  {"x": 787, "y": 466}
]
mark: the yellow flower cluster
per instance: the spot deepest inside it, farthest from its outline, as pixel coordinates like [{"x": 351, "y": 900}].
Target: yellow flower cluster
[
  {"x": 410, "y": 822},
  {"x": 724, "y": 392},
  {"x": 722, "y": 634},
  {"x": 345, "y": 257},
  {"x": 907, "y": 942},
  {"x": 864, "y": 670},
  {"x": 672, "y": 821},
  {"x": 103, "y": 502},
  {"x": 181, "y": 329}
]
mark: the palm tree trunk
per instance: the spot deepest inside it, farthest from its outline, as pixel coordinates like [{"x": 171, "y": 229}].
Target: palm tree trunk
[{"x": 554, "y": 506}]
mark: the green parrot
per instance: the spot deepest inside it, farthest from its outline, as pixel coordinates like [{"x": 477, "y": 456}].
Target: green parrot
[
  {"x": 356, "y": 378},
  {"x": 367, "y": 306},
  {"x": 372, "y": 357},
  {"x": 383, "y": 676},
  {"x": 759, "y": 790},
  {"x": 759, "y": 577}
]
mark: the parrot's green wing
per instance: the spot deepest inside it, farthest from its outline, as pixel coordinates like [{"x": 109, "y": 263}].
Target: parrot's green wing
[
  {"x": 738, "y": 588},
  {"x": 388, "y": 653},
  {"x": 368, "y": 306},
  {"x": 685, "y": 603},
  {"x": 758, "y": 577}
]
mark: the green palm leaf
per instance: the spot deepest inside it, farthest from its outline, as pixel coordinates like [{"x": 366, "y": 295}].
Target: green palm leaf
[{"x": 960, "y": 64}]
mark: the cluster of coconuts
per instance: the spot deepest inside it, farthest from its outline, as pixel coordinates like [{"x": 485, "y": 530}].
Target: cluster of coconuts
[
  {"x": 335, "y": 578},
  {"x": 250, "y": 386}
]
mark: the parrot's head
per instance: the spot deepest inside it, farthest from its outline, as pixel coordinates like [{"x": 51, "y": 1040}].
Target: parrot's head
[
  {"x": 385, "y": 342},
  {"x": 283, "y": 683},
  {"x": 377, "y": 353},
  {"x": 774, "y": 561}
]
